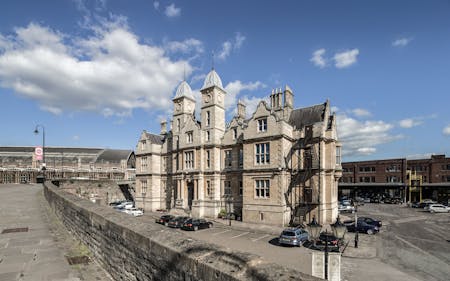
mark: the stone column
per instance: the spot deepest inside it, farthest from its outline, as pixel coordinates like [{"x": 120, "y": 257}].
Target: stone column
[{"x": 195, "y": 189}]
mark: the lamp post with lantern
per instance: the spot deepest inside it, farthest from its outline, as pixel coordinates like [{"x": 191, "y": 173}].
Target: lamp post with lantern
[{"x": 36, "y": 131}]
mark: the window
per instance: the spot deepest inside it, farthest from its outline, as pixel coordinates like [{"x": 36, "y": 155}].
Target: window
[
  {"x": 392, "y": 179},
  {"x": 338, "y": 155},
  {"x": 208, "y": 118},
  {"x": 234, "y": 133},
  {"x": 347, "y": 170},
  {"x": 164, "y": 164},
  {"x": 262, "y": 153},
  {"x": 178, "y": 124},
  {"x": 262, "y": 188},
  {"x": 228, "y": 158},
  {"x": 144, "y": 145},
  {"x": 241, "y": 158},
  {"x": 208, "y": 159},
  {"x": 208, "y": 137},
  {"x": 143, "y": 186},
  {"x": 189, "y": 160},
  {"x": 189, "y": 137},
  {"x": 262, "y": 125},
  {"x": 143, "y": 164},
  {"x": 393, "y": 168},
  {"x": 367, "y": 179},
  {"x": 240, "y": 188},
  {"x": 208, "y": 189},
  {"x": 227, "y": 188},
  {"x": 367, "y": 169}
]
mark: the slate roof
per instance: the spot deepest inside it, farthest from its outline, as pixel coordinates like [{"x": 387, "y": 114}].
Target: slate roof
[
  {"x": 156, "y": 139},
  {"x": 306, "y": 116},
  {"x": 113, "y": 155},
  {"x": 51, "y": 149}
]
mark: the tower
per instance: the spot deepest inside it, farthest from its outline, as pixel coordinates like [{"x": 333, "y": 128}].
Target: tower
[
  {"x": 184, "y": 105},
  {"x": 213, "y": 108}
]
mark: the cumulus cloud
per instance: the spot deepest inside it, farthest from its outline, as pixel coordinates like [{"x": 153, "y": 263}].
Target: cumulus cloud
[
  {"x": 362, "y": 137},
  {"x": 359, "y": 112},
  {"x": 186, "y": 46},
  {"x": 346, "y": 59},
  {"x": 317, "y": 59},
  {"x": 236, "y": 87},
  {"x": 172, "y": 11},
  {"x": 446, "y": 130},
  {"x": 230, "y": 45},
  {"x": 156, "y": 5},
  {"x": 109, "y": 72},
  {"x": 409, "y": 123},
  {"x": 401, "y": 42}
]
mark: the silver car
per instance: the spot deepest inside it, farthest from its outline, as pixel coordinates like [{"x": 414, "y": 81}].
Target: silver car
[
  {"x": 437, "y": 208},
  {"x": 293, "y": 236}
]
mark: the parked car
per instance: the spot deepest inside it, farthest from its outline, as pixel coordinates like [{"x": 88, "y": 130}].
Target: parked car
[
  {"x": 334, "y": 243},
  {"x": 177, "y": 222},
  {"x": 124, "y": 205},
  {"x": 346, "y": 208},
  {"x": 370, "y": 221},
  {"x": 134, "y": 211},
  {"x": 362, "y": 227},
  {"x": 437, "y": 208},
  {"x": 196, "y": 224},
  {"x": 293, "y": 236},
  {"x": 164, "y": 219}
]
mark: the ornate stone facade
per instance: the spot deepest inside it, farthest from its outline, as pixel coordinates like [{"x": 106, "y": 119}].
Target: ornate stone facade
[{"x": 277, "y": 167}]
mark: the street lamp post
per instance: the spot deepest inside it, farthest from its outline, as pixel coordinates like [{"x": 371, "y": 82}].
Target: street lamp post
[
  {"x": 143, "y": 201},
  {"x": 36, "y": 131},
  {"x": 315, "y": 228},
  {"x": 356, "y": 224}
]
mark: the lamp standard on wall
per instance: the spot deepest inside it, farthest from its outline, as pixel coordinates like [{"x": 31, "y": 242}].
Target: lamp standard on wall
[
  {"x": 36, "y": 131},
  {"x": 314, "y": 229}
]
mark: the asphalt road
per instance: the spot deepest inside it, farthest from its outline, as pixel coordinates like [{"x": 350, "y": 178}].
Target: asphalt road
[{"x": 413, "y": 241}]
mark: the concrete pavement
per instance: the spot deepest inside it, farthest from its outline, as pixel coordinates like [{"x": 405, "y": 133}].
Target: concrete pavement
[{"x": 33, "y": 244}]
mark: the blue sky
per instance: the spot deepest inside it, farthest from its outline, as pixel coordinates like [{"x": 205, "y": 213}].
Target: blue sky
[{"x": 96, "y": 73}]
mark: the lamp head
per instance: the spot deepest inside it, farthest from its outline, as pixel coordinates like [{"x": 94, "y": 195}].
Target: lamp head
[{"x": 36, "y": 131}]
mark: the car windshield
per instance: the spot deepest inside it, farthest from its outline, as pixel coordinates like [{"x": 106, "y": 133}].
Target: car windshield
[{"x": 288, "y": 233}]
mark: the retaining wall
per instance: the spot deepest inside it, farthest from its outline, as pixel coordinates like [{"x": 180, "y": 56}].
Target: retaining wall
[{"x": 131, "y": 248}]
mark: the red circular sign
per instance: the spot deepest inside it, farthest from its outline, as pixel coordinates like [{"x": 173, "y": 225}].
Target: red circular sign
[{"x": 38, "y": 151}]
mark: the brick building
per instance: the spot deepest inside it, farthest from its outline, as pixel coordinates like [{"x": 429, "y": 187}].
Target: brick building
[
  {"x": 394, "y": 177},
  {"x": 280, "y": 165}
]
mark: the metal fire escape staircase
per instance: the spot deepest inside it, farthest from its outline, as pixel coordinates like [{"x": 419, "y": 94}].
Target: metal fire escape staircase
[{"x": 300, "y": 196}]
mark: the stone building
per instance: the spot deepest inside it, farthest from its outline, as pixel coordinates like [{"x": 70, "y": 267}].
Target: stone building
[
  {"x": 281, "y": 165},
  {"x": 19, "y": 164}
]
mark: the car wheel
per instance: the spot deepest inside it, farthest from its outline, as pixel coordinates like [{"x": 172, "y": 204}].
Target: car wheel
[
  {"x": 370, "y": 231},
  {"x": 209, "y": 225},
  {"x": 195, "y": 228}
]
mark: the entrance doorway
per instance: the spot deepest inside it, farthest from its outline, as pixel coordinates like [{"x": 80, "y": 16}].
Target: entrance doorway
[{"x": 190, "y": 188}]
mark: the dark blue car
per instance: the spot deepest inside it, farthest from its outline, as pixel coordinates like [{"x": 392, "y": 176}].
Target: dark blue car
[{"x": 362, "y": 227}]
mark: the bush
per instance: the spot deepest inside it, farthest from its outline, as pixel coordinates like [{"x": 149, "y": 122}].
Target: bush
[{"x": 222, "y": 213}]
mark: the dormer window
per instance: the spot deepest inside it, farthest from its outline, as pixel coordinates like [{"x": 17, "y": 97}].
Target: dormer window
[
  {"x": 189, "y": 137},
  {"x": 262, "y": 125}
]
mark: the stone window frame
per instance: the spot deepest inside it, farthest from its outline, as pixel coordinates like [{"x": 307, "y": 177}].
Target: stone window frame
[
  {"x": 228, "y": 158},
  {"x": 261, "y": 125},
  {"x": 262, "y": 188},
  {"x": 144, "y": 164},
  {"x": 208, "y": 159},
  {"x": 227, "y": 188},
  {"x": 241, "y": 188},
  {"x": 262, "y": 153},
  {"x": 189, "y": 159},
  {"x": 144, "y": 186},
  {"x": 208, "y": 118},
  {"x": 190, "y": 137}
]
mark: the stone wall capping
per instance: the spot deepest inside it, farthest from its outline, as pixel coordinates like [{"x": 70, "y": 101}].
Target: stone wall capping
[{"x": 131, "y": 250}]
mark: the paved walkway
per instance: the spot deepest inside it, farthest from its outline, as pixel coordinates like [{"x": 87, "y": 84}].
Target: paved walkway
[{"x": 33, "y": 243}]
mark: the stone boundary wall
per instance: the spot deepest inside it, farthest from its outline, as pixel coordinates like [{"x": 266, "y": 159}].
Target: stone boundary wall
[{"x": 129, "y": 248}]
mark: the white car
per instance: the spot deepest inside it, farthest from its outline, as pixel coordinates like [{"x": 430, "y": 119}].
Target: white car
[
  {"x": 437, "y": 208},
  {"x": 134, "y": 211},
  {"x": 346, "y": 208}
]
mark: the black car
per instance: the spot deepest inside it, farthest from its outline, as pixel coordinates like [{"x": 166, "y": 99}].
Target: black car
[
  {"x": 333, "y": 242},
  {"x": 196, "y": 224},
  {"x": 164, "y": 219},
  {"x": 362, "y": 227},
  {"x": 371, "y": 221},
  {"x": 177, "y": 222}
]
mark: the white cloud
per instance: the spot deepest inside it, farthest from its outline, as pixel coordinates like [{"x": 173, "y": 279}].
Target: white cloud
[
  {"x": 186, "y": 46},
  {"x": 172, "y": 11},
  {"x": 234, "y": 88},
  {"x": 401, "y": 42},
  {"x": 156, "y": 5},
  {"x": 229, "y": 45},
  {"x": 359, "y": 112},
  {"x": 446, "y": 130},
  {"x": 110, "y": 72},
  {"x": 362, "y": 137},
  {"x": 317, "y": 59},
  {"x": 409, "y": 123},
  {"x": 76, "y": 138},
  {"x": 346, "y": 59}
]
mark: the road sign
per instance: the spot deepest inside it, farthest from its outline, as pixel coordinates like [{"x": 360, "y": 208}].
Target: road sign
[{"x": 38, "y": 152}]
